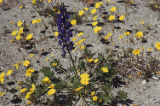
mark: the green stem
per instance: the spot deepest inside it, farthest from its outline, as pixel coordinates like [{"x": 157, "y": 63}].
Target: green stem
[{"x": 72, "y": 62}]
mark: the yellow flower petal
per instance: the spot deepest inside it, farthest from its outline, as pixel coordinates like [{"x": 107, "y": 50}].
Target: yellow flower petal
[{"x": 9, "y": 72}]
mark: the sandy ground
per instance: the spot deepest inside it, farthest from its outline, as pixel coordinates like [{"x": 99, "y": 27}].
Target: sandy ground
[{"x": 143, "y": 94}]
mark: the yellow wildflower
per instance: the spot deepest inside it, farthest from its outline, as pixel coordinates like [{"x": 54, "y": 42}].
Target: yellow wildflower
[
  {"x": 95, "y": 98},
  {"x": 127, "y": 33},
  {"x": 104, "y": 69},
  {"x": 111, "y": 17},
  {"x": 122, "y": 17},
  {"x": 136, "y": 52},
  {"x": 139, "y": 34},
  {"x": 78, "y": 89},
  {"x": 9, "y": 72},
  {"x": 108, "y": 1},
  {"x": 33, "y": 2},
  {"x": 94, "y": 23},
  {"x": 49, "y": 1},
  {"x": 20, "y": 31},
  {"x": 113, "y": 9},
  {"x": 89, "y": 60},
  {"x": 23, "y": 90},
  {"x": 1, "y": 1},
  {"x": 33, "y": 88},
  {"x": 97, "y": 5},
  {"x": 17, "y": 65},
  {"x": 149, "y": 49},
  {"x": 29, "y": 72},
  {"x": 20, "y": 7},
  {"x": 46, "y": 80},
  {"x": 18, "y": 37},
  {"x": 93, "y": 93},
  {"x": 120, "y": 37},
  {"x": 84, "y": 79},
  {"x": 82, "y": 47},
  {"x": 80, "y": 34},
  {"x": 51, "y": 92},
  {"x": 26, "y": 63},
  {"x": 51, "y": 86},
  {"x": 28, "y": 95},
  {"x": 94, "y": 18},
  {"x": 20, "y": 23},
  {"x": 97, "y": 29},
  {"x": 2, "y": 93},
  {"x": 73, "y": 22},
  {"x": 36, "y": 21},
  {"x": 2, "y": 77},
  {"x": 29, "y": 36},
  {"x": 93, "y": 11},
  {"x": 96, "y": 60},
  {"x": 81, "y": 12},
  {"x": 54, "y": 64},
  {"x": 56, "y": 34},
  {"x": 141, "y": 22},
  {"x": 14, "y": 32},
  {"x": 157, "y": 45},
  {"x": 107, "y": 36},
  {"x": 86, "y": 9},
  {"x": 47, "y": 58},
  {"x": 31, "y": 55},
  {"x": 74, "y": 39}
]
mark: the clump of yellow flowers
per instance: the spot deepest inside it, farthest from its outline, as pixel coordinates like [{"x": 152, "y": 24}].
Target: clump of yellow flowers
[{"x": 84, "y": 79}]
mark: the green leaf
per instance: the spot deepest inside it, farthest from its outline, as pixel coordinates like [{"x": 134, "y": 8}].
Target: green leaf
[
  {"x": 47, "y": 72},
  {"x": 122, "y": 95}
]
